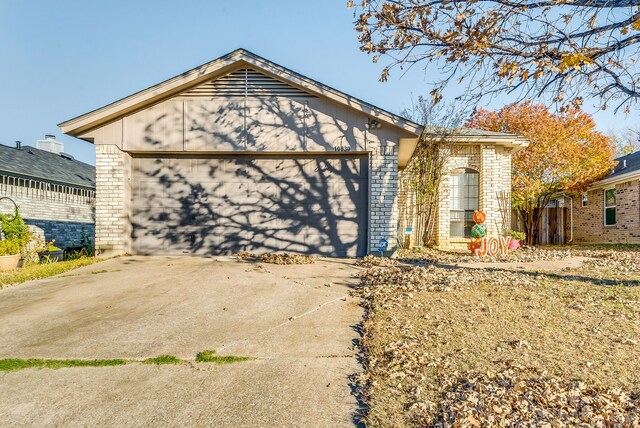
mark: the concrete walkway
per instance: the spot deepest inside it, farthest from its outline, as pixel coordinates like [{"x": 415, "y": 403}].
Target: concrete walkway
[{"x": 297, "y": 322}]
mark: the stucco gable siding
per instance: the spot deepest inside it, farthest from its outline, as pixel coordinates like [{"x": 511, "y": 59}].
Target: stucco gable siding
[{"x": 229, "y": 124}]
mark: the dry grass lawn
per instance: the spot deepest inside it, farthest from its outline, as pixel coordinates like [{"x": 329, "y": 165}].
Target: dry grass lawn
[
  {"x": 45, "y": 270},
  {"x": 427, "y": 329}
]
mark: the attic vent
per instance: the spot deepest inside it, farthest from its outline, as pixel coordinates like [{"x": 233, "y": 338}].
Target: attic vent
[
  {"x": 245, "y": 83},
  {"x": 66, "y": 156}
]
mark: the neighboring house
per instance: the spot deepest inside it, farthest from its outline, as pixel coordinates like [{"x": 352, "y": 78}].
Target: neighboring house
[
  {"x": 53, "y": 191},
  {"x": 243, "y": 154},
  {"x": 609, "y": 211}
]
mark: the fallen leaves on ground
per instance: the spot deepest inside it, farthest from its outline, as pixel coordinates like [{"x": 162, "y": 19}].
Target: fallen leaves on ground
[
  {"x": 447, "y": 346},
  {"x": 371, "y": 260},
  {"x": 244, "y": 255},
  {"x": 521, "y": 397},
  {"x": 621, "y": 261},
  {"x": 385, "y": 284},
  {"x": 522, "y": 255},
  {"x": 287, "y": 259}
]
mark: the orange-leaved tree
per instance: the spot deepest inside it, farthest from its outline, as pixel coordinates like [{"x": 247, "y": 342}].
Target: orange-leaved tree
[{"x": 566, "y": 153}]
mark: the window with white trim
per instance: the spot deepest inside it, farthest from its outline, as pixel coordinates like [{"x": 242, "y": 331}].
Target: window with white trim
[
  {"x": 464, "y": 198},
  {"x": 610, "y": 207},
  {"x": 585, "y": 199}
]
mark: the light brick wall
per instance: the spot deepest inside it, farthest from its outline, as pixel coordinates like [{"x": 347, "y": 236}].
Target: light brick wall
[
  {"x": 383, "y": 218},
  {"x": 462, "y": 156},
  {"x": 588, "y": 222},
  {"x": 494, "y": 165},
  {"x": 113, "y": 200},
  {"x": 62, "y": 216}
]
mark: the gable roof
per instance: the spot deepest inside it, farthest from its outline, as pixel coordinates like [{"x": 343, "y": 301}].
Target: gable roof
[
  {"x": 626, "y": 164},
  {"x": 475, "y": 135},
  {"x": 29, "y": 162},
  {"x": 217, "y": 68},
  {"x": 627, "y": 168}
]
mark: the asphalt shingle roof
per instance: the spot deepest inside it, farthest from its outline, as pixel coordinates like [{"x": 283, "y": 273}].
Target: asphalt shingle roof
[
  {"x": 632, "y": 164},
  {"x": 40, "y": 164},
  {"x": 466, "y": 132}
]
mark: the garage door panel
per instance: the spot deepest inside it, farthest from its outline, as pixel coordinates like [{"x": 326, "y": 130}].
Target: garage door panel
[
  {"x": 213, "y": 205},
  {"x": 250, "y": 169},
  {"x": 148, "y": 242},
  {"x": 295, "y": 169},
  {"x": 343, "y": 246},
  {"x": 150, "y": 191},
  {"x": 203, "y": 170}
]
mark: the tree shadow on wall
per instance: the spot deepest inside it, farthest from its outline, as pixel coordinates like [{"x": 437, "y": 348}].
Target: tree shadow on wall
[
  {"x": 260, "y": 125},
  {"x": 204, "y": 204},
  {"x": 218, "y": 205}
]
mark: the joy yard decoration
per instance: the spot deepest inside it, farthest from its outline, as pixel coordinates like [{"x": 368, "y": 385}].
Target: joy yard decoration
[{"x": 482, "y": 245}]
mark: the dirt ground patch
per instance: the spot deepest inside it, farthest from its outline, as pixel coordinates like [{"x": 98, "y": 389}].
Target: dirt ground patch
[{"x": 434, "y": 333}]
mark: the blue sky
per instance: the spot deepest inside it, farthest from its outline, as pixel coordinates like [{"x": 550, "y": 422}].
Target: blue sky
[{"x": 64, "y": 58}]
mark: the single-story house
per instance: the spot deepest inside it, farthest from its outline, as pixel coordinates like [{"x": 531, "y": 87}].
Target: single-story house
[
  {"x": 53, "y": 191},
  {"x": 244, "y": 154},
  {"x": 609, "y": 211}
]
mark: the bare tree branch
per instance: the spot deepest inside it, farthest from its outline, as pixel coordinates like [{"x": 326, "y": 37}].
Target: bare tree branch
[{"x": 567, "y": 50}]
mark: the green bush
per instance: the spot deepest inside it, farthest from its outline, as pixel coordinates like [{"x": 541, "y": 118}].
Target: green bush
[
  {"x": 49, "y": 247},
  {"x": 520, "y": 236},
  {"x": 10, "y": 247},
  {"x": 16, "y": 234},
  {"x": 15, "y": 228}
]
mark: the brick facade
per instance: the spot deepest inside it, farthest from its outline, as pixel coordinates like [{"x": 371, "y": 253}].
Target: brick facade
[
  {"x": 383, "y": 216},
  {"x": 113, "y": 200},
  {"x": 61, "y": 213},
  {"x": 493, "y": 162},
  {"x": 588, "y": 221}
]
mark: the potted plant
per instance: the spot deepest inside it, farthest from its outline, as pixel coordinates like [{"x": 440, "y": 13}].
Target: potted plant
[
  {"x": 51, "y": 253},
  {"x": 10, "y": 253},
  {"x": 14, "y": 237},
  {"x": 516, "y": 238}
]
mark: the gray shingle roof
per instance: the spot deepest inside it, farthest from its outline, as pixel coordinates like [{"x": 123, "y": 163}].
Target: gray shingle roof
[
  {"x": 466, "y": 132},
  {"x": 42, "y": 165},
  {"x": 632, "y": 164}
]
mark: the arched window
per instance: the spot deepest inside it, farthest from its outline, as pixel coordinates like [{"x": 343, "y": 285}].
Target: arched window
[{"x": 464, "y": 193}]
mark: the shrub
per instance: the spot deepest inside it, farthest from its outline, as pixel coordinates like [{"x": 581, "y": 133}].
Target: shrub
[
  {"x": 16, "y": 234},
  {"x": 10, "y": 246},
  {"x": 15, "y": 229},
  {"x": 520, "y": 236},
  {"x": 50, "y": 247}
]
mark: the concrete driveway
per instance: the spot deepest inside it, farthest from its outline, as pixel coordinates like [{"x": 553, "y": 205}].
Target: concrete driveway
[{"x": 297, "y": 322}]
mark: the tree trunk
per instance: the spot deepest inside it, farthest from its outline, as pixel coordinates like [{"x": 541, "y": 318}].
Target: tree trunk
[{"x": 533, "y": 214}]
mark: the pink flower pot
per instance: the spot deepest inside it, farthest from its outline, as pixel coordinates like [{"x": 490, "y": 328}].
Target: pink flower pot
[{"x": 514, "y": 244}]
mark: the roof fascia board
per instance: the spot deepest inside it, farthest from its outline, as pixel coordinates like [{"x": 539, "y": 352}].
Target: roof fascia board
[
  {"x": 45, "y": 180},
  {"x": 221, "y": 66},
  {"x": 506, "y": 140},
  {"x": 629, "y": 176},
  {"x": 149, "y": 96},
  {"x": 326, "y": 91}
]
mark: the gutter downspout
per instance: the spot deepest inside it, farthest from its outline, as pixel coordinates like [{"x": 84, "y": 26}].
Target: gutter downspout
[{"x": 571, "y": 220}]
